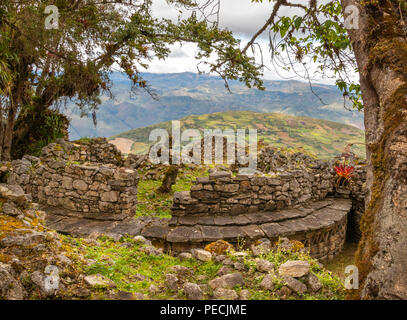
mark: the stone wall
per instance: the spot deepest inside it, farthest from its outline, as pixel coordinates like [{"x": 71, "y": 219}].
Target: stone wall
[
  {"x": 321, "y": 226},
  {"x": 299, "y": 201},
  {"x": 96, "y": 150},
  {"x": 221, "y": 194},
  {"x": 77, "y": 187},
  {"x": 327, "y": 242}
]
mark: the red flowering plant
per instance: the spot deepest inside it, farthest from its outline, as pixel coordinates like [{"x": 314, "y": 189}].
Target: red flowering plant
[
  {"x": 345, "y": 170},
  {"x": 344, "y": 173}
]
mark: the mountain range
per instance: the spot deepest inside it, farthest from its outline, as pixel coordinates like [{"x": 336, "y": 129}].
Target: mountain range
[{"x": 184, "y": 94}]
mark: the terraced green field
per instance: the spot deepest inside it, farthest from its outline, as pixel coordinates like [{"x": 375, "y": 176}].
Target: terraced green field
[{"x": 322, "y": 138}]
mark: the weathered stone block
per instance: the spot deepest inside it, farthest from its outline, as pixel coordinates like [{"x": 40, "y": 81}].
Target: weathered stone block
[
  {"x": 253, "y": 232},
  {"x": 245, "y": 186},
  {"x": 80, "y": 185},
  {"x": 230, "y": 188},
  {"x": 211, "y": 233},
  {"x": 155, "y": 232},
  {"x": 183, "y": 197},
  {"x": 259, "y": 181},
  {"x": 110, "y": 196},
  {"x": 238, "y": 209},
  {"x": 219, "y": 174},
  {"x": 294, "y": 268},
  {"x": 67, "y": 183},
  {"x": 201, "y": 254},
  {"x": 205, "y": 195},
  {"x": 197, "y": 208},
  {"x": 184, "y": 235}
]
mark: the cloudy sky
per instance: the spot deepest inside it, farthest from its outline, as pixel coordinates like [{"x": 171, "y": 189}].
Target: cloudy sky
[{"x": 242, "y": 17}]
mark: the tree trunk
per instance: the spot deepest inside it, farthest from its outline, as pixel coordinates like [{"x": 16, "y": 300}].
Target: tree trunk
[
  {"x": 8, "y": 135},
  {"x": 169, "y": 179},
  {"x": 380, "y": 48},
  {"x": 35, "y": 128},
  {"x": 2, "y": 133},
  {"x": 7, "y": 128}
]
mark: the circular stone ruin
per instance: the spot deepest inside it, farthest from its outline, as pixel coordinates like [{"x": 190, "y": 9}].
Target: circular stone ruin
[
  {"x": 320, "y": 226},
  {"x": 300, "y": 204}
]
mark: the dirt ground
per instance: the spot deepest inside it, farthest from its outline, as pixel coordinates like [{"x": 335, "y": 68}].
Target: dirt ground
[{"x": 123, "y": 144}]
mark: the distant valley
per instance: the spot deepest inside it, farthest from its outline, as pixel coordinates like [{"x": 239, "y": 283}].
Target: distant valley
[
  {"x": 185, "y": 94},
  {"x": 321, "y": 138}
]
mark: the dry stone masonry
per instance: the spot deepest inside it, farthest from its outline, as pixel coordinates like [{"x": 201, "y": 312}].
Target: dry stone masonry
[
  {"x": 291, "y": 203},
  {"x": 87, "y": 187},
  {"x": 221, "y": 194},
  {"x": 320, "y": 226},
  {"x": 96, "y": 150},
  {"x": 66, "y": 180}
]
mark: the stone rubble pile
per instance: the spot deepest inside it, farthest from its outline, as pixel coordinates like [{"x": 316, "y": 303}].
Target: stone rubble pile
[
  {"x": 95, "y": 150},
  {"x": 271, "y": 160},
  {"x": 29, "y": 252},
  {"x": 240, "y": 271}
]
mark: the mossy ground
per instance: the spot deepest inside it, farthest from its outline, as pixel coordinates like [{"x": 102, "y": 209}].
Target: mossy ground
[
  {"x": 345, "y": 258},
  {"x": 123, "y": 262}
]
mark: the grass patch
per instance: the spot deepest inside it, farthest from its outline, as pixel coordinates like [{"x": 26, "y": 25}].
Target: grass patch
[
  {"x": 345, "y": 258},
  {"x": 125, "y": 264},
  {"x": 152, "y": 203},
  {"x": 134, "y": 271}
]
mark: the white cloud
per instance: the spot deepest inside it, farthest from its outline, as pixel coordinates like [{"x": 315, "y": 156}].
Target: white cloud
[{"x": 243, "y": 18}]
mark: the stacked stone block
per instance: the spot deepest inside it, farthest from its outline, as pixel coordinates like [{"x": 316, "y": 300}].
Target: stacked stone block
[
  {"x": 221, "y": 194},
  {"x": 90, "y": 190}
]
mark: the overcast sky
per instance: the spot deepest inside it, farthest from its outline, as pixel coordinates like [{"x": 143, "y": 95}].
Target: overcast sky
[{"x": 242, "y": 17}]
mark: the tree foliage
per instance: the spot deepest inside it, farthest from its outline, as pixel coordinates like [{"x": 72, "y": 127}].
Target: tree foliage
[
  {"x": 313, "y": 41},
  {"x": 41, "y": 68}
]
